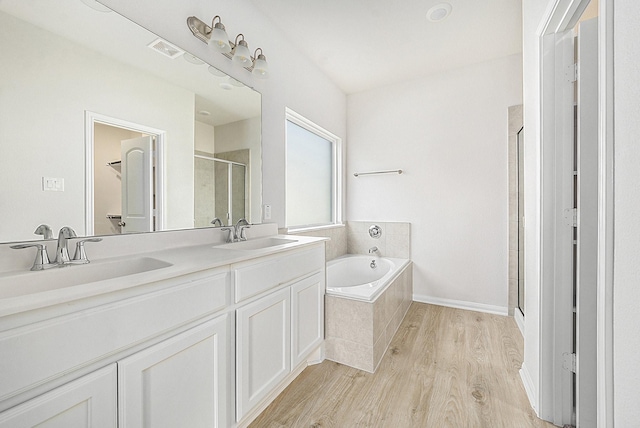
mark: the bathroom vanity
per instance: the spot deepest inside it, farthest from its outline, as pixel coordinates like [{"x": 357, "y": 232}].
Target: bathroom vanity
[{"x": 195, "y": 336}]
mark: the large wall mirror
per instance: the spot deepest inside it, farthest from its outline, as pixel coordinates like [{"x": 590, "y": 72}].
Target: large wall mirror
[{"x": 108, "y": 129}]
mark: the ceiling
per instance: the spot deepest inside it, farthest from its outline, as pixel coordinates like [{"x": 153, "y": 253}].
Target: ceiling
[{"x": 361, "y": 44}]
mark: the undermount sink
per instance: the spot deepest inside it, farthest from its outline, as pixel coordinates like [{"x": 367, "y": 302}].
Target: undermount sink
[
  {"x": 25, "y": 283},
  {"x": 257, "y": 244}
]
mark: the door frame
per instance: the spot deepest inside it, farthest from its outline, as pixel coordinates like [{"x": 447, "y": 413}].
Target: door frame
[
  {"x": 91, "y": 118},
  {"x": 561, "y": 16}
]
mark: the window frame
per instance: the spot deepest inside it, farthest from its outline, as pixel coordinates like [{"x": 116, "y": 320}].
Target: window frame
[{"x": 336, "y": 163}]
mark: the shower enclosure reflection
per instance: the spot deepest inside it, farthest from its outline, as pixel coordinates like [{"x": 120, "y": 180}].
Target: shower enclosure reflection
[{"x": 220, "y": 188}]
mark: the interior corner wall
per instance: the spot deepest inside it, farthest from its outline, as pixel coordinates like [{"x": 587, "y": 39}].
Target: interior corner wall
[
  {"x": 448, "y": 133},
  {"x": 294, "y": 81},
  {"x": 626, "y": 268}
]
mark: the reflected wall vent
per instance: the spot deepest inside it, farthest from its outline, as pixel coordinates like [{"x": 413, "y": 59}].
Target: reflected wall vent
[{"x": 165, "y": 48}]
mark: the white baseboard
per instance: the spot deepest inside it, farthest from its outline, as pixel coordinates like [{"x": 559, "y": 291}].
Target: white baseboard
[
  {"x": 461, "y": 304},
  {"x": 529, "y": 388}
]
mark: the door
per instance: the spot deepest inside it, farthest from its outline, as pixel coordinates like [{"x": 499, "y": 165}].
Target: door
[
  {"x": 263, "y": 346},
  {"x": 86, "y": 402},
  {"x": 587, "y": 223},
  {"x": 307, "y": 317},
  {"x": 137, "y": 185},
  {"x": 180, "y": 382}
]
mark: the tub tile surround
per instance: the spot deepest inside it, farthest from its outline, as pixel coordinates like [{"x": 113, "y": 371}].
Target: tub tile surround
[
  {"x": 358, "y": 333},
  {"x": 394, "y": 241},
  {"x": 337, "y": 244}
]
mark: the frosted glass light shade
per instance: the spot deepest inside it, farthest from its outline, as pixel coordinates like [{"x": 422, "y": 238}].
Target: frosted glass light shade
[
  {"x": 219, "y": 39},
  {"x": 260, "y": 67},
  {"x": 241, "y": 54}
]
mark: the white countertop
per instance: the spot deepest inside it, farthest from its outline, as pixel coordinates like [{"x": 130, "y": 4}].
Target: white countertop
[{"x": 23, "y": 291}]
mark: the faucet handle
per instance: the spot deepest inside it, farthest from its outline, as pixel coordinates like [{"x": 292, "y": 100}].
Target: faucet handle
[
  {"x": 241, "y": 234},
  {"x": 45, "y": 231},
  {"x": 230, "y": 235},
  {"x": 80, "y": 256},
  {"x": 42, "y": 257}
]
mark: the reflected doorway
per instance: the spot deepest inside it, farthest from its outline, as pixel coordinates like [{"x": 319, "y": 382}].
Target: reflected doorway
[{"x": 124, "y": 177}]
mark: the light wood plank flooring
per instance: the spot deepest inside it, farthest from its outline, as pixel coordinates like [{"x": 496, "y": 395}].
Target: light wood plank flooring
[{"x": 444, "y": 368}]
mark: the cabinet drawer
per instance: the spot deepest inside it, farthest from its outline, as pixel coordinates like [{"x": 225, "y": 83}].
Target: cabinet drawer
[
  {"x": 254, "y": 278},
  {"x": 40, "y": 352}
]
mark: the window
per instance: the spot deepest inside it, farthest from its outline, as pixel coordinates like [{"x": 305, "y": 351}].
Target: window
[{"x": 313, "y": 174}]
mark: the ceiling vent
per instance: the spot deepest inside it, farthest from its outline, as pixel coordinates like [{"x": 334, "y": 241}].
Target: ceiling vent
[{"x": 165, "y": 48}]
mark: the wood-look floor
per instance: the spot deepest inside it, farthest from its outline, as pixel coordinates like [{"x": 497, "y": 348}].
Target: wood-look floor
[{"x": 444, "y": 368}]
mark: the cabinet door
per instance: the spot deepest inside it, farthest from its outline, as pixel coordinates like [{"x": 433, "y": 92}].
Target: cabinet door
[
  {"x": 263, "y": 346},
  {"x": 307, "y": 316},
  {"x": 86, "y": 402},
  {"x": 181, "y": 382}
]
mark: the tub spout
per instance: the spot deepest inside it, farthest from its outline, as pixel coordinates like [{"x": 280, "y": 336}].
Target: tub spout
[{"x": 373, "y": 250}]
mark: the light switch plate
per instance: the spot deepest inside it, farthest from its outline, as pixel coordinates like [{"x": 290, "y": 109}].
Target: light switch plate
[{"x": 51, "y": 184}]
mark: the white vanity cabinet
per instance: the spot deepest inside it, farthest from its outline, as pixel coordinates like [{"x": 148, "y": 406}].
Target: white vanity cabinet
[
  {"x": 170, "y": 343},
  {"x": 281, "y": 323},
  {"x": 206, "y": 347},
  {"x": 181, "y": 381},
  {"x": 263, "y": 337},
  {"x": 307, "y": 316},
  {"x": 89, "y": 401}
]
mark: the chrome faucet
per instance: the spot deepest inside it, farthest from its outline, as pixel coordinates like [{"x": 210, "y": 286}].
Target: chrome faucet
[
  {"x": 373, "y": 250},
  {"x": 216, "y": 221},
  {"x": 62, "y": 252},
  {"x": 238, "y": 229}
]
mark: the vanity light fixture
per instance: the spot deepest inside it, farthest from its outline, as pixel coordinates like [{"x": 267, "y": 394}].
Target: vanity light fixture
[
  {"x": 260, "y": 66},
  {"x": 241, "y": 52},
  {"x": 238, "y": 51},
  {"x": 218, "y": 37}
]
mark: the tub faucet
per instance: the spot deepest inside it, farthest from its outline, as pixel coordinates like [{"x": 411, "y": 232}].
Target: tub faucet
[
  {"x": 62, "y": 252},
  {"x": 373, "y": 250}
]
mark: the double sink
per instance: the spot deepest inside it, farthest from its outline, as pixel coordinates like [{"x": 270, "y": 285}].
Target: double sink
[{"x": 26, "y": 283}]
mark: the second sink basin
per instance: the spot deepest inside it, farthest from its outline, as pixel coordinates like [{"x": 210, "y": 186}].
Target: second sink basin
[
  {"x": 257, "y": 244},
  {"x": 25, "y": 283}
]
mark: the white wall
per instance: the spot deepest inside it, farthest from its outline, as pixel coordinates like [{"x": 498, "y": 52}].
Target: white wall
[
  {"x": 294, "y": 81},
  {"x": 54, "y": 96},
  {"x": 204, "y": 139},
  {"x": 626, "y": 288},
  {"x": 449, "y": 133}
]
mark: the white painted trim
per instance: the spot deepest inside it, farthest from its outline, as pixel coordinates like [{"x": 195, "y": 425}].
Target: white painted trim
[
  {"x": 462, "y": 304},
  {"x": 519, "y": 319},
  {"x": 338, "y": 165},
  {"x": 528, "y": 386},
  {"x": 90, "y": 119},
  {"x": 604, "y": 368},
  {"x": 550, "y": 399}
]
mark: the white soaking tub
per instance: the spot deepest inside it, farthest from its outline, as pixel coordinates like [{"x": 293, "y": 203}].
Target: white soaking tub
[{"x": 362, "y": 277}]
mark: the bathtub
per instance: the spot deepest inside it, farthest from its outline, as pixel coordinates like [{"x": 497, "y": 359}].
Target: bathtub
[{"x": 352, "y": 276}]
